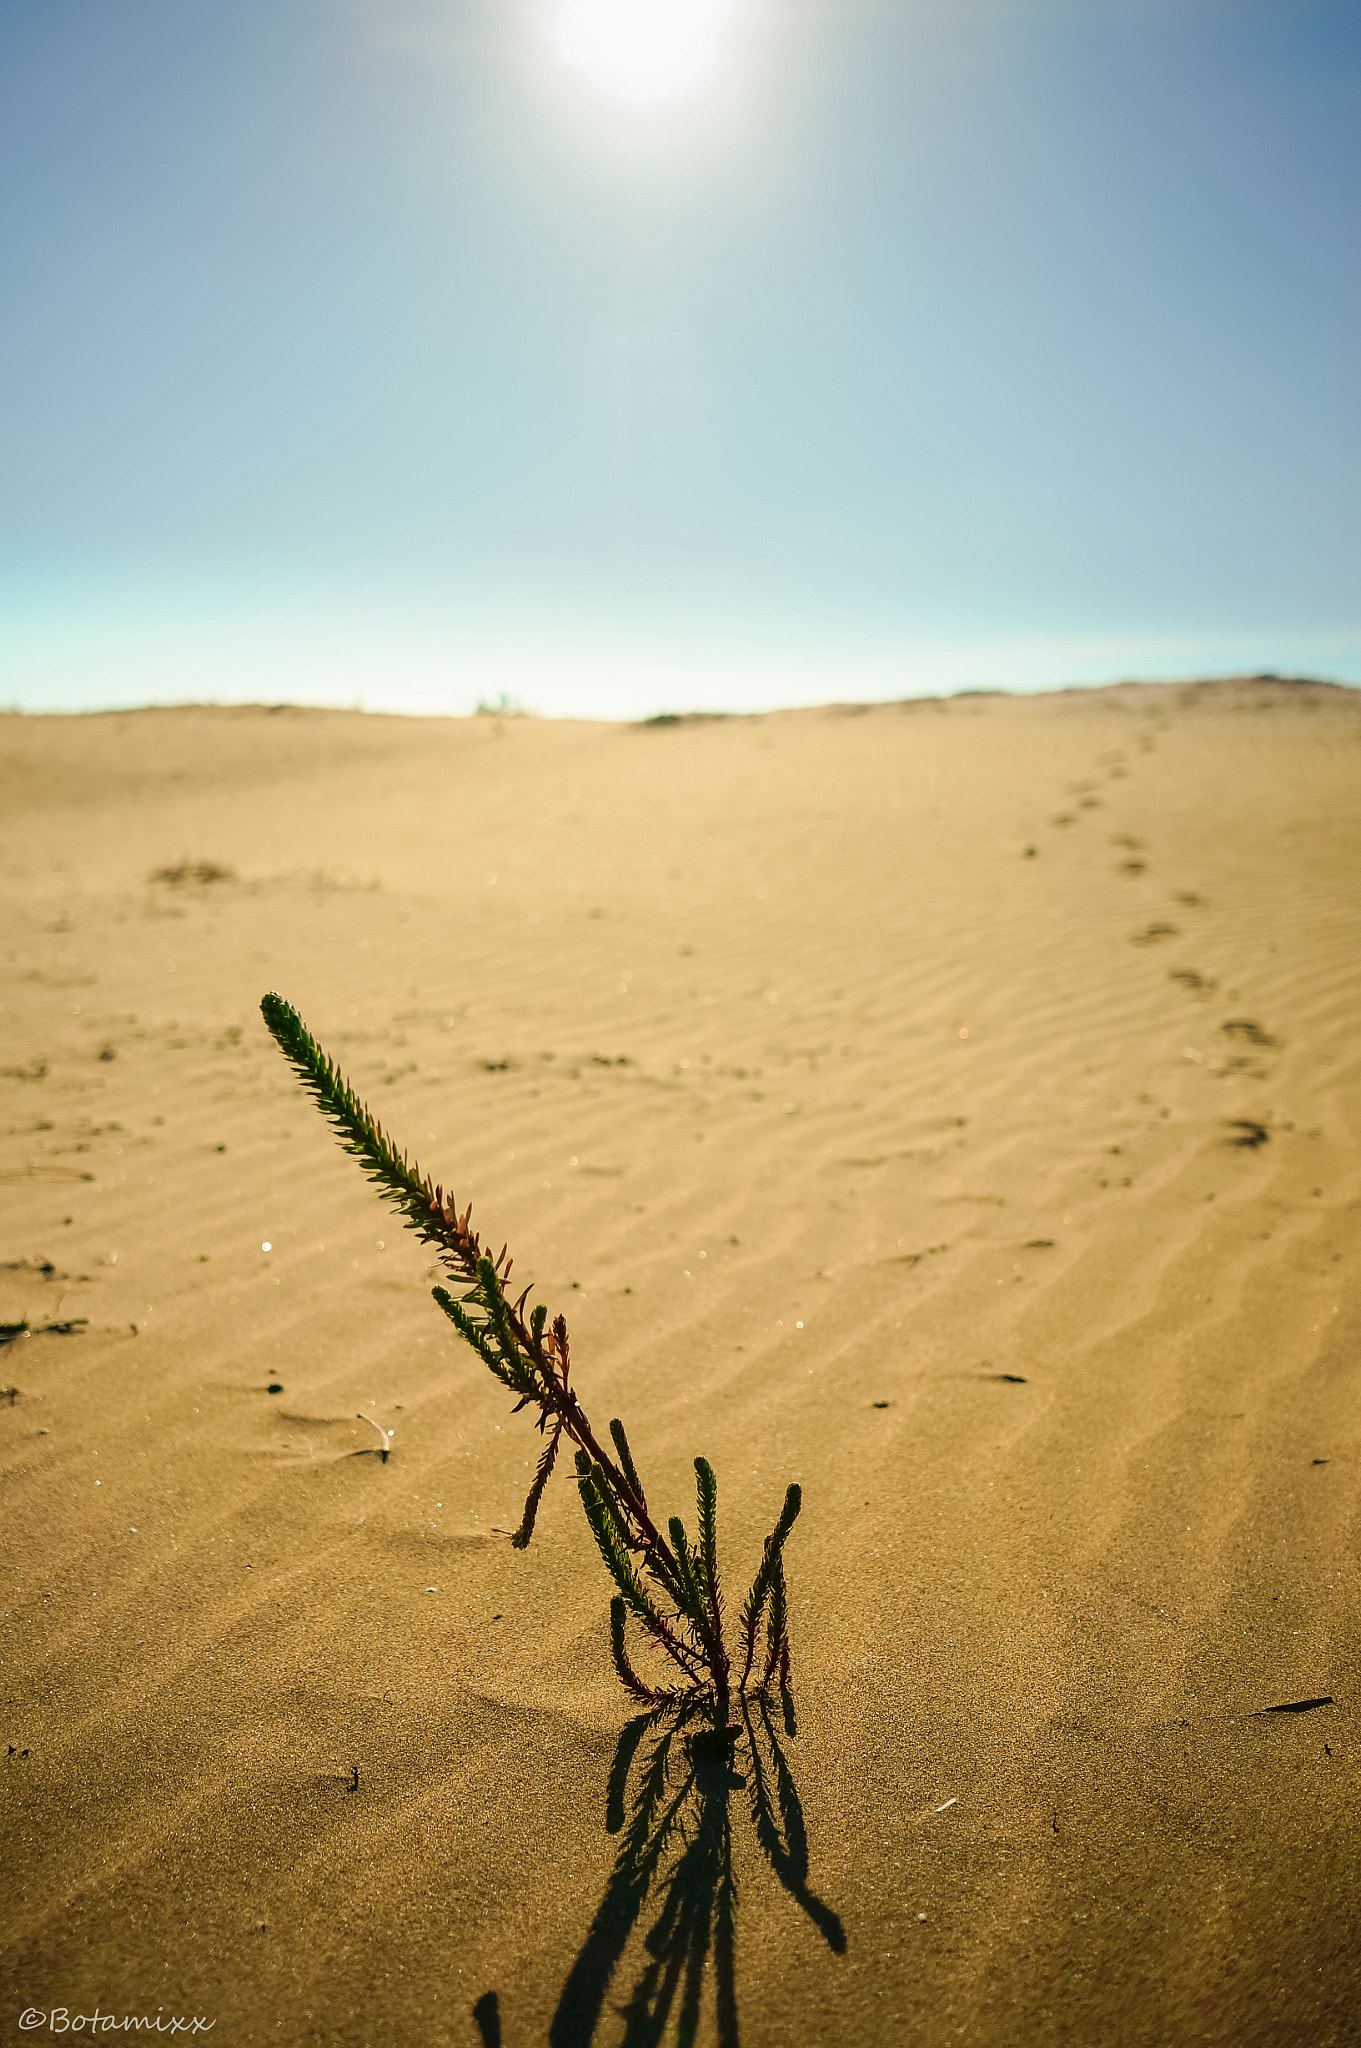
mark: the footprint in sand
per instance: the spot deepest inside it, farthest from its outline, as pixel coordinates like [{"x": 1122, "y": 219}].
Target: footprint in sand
[
  {"x": 1248, "y": 1032},
  {"x": 1193, "y": 983}
]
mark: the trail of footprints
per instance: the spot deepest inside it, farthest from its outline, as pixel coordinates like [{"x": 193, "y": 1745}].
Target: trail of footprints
[{"x": 1248, "y": 1039}]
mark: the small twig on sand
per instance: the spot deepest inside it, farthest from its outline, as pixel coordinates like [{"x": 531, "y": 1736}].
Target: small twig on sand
[
  {"x": 386, "y": 1434},
  {"x": 10, "y": 1333}
]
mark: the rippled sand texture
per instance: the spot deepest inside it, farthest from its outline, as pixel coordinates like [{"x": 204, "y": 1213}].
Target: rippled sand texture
[{"x": 951, "y": 1106}]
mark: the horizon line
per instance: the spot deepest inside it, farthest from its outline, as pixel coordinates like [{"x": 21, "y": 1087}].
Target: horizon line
[{"x": 509, "y": 707}]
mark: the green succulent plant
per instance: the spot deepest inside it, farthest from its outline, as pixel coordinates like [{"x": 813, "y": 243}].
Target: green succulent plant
[{"x": 667, "y": 1585}]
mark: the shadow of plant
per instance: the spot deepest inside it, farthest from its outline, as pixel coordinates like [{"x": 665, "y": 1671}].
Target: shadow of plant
[{"x": 670, "y": 1795}]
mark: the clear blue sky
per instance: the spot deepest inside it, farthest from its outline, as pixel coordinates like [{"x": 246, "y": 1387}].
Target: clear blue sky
[{"x": 365, "y": 349}]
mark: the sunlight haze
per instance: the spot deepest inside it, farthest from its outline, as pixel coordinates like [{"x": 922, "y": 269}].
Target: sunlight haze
[
  {"x": 619, "y": 355},
  {"x": 642, "y": 50}
]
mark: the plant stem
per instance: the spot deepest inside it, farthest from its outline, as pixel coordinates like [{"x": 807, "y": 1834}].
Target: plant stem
[{"x": 532, "y": 1359}]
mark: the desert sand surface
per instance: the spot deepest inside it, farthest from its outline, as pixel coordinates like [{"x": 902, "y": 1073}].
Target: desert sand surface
[{"x": 952, "y": 1106}]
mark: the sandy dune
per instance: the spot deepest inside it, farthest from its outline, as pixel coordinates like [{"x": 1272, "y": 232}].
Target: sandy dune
[{"x": 953, "y": 1107}]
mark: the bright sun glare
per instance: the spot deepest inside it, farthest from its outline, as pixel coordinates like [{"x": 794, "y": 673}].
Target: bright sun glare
[{"x": 640, "y": 49}]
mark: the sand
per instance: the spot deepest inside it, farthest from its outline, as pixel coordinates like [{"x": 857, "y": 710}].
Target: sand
[{"x": 951, "y": 1106}]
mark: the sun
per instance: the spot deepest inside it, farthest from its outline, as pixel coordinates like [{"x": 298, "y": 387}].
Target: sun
[{"x": 641, "y": 49}]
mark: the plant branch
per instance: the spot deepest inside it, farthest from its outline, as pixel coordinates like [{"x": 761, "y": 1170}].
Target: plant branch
[{"x": 531, "y": 1358}]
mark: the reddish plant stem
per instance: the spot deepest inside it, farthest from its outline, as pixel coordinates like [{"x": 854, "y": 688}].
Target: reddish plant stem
[{"x": 462, "y": 1251}]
